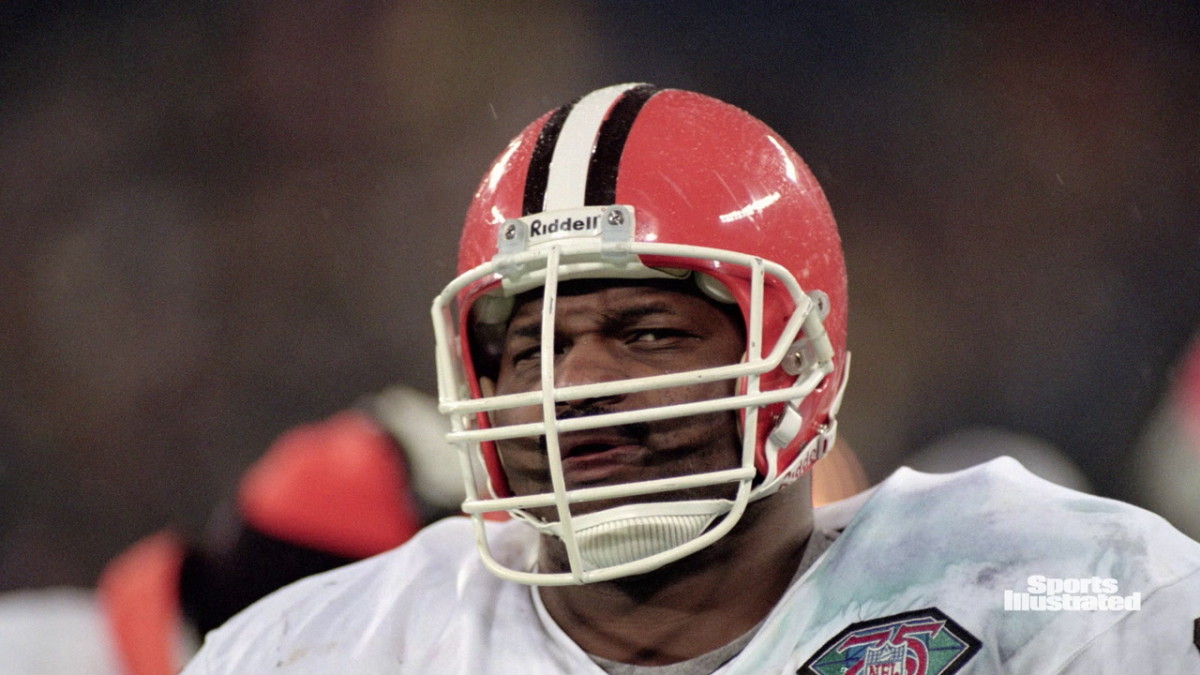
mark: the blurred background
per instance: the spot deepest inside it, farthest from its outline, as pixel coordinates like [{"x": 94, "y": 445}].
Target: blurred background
[{"x": 219, "y": 219}]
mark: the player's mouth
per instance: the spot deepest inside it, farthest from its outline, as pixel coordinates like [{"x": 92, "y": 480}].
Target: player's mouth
[{"x": 591, "y": 458}]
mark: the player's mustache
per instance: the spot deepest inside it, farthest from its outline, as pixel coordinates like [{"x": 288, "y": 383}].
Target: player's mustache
[{"x": 634, "y": 431}]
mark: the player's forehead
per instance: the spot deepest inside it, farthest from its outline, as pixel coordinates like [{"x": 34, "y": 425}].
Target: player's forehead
[{"x": 600, "y": 298}]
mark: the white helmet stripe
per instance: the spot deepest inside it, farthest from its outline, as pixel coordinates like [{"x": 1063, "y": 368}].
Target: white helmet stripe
[{"x": 572, "y": 155}]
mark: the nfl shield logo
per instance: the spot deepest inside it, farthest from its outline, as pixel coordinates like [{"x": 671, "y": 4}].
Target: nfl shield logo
[{"x": 921, "y": 642}]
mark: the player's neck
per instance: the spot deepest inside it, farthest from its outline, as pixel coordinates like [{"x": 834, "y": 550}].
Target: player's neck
[{"x": 697, "y": 604}]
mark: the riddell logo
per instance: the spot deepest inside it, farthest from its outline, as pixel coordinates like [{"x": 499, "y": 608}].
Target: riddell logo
[{"x": 540, "y": 228}]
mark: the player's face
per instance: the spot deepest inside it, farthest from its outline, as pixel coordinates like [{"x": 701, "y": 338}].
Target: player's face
[{"x": 608, "y": 331}]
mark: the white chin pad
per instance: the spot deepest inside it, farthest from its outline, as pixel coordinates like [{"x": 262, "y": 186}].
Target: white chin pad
[{"x": 635, "y": 532}]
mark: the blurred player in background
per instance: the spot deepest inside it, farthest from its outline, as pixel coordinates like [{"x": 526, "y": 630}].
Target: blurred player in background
[{"x": 324, "y": 494}]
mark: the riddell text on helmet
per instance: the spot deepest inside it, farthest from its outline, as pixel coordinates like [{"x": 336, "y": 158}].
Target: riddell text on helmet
[{"x": 537, "y": 228}]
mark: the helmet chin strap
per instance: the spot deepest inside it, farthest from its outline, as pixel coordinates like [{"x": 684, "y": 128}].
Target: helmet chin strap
[{"x": 633, "y": 532}]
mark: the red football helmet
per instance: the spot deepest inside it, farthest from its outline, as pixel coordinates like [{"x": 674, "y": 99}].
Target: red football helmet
[{"x": 636, "y": 182}]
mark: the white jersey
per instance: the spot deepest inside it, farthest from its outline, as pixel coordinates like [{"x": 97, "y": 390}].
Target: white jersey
[{"x": 989, "y": 570}]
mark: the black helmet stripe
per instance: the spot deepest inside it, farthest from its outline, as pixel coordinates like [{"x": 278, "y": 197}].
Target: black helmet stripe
[
  {"x": 575, "y": 159},
  {"x": 539, "y": 163},
  {"x": 602, "y": 171}
]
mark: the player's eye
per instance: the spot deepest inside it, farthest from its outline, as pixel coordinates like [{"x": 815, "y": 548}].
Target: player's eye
[
  {"x": 656, "y": 336},
  {"x": 525, "y": 354}
]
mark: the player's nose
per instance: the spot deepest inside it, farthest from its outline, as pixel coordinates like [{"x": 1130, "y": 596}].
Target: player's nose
[{"x": 589, "y": 362}]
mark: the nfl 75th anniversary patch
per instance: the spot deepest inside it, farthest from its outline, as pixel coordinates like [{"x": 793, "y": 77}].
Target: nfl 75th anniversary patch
[{"x": 921, "y": 642}]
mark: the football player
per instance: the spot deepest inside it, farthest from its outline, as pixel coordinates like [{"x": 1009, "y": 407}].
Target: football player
[{"x": 642, "y": 357}]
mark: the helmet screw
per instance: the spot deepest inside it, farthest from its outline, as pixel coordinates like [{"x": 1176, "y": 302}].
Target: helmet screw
[
  {"x": 510, "y": 231},
  {"x": 615, "y": 217},
  {"x": 820, "y": 301}
]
